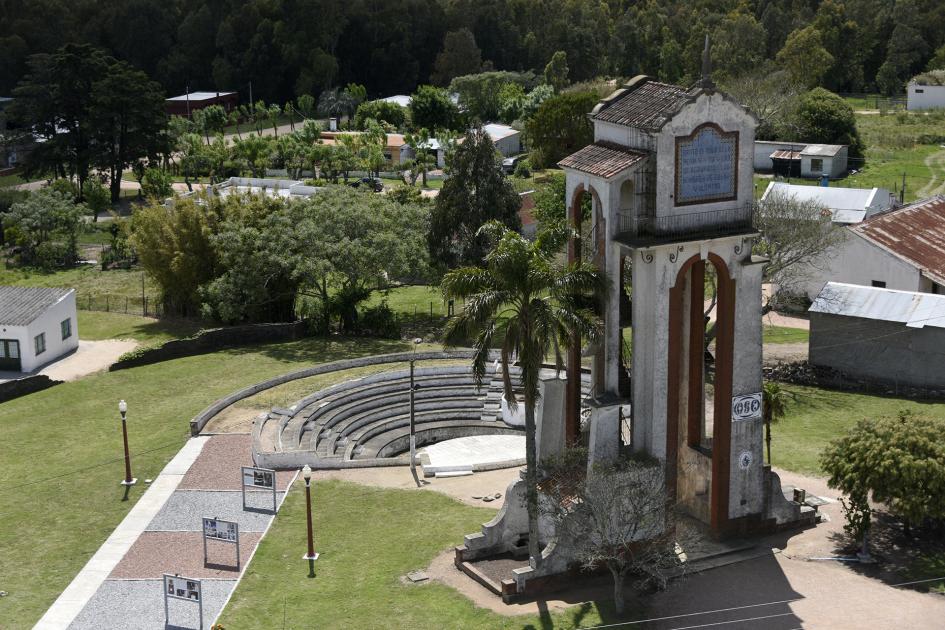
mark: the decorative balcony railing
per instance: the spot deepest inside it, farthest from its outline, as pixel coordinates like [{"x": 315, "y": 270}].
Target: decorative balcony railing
[{"x": 689, "y": 225}]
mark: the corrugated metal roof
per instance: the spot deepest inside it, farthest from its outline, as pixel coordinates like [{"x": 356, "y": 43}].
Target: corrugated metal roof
[
  {"x": 603, "y": 159},
  {"x": 199, "y": 96},
  {"x": 646, "y": 104},
  {"x": 915, "y": 233},
  {"x": 785, "y": 155},
  {"x": 825, "y": 150},
  {"x": 915, "y": 310},
  {"x": 19, "y": 306},
  {"x": 862, "y": 202},
  {"x": 498, "y": 131}
]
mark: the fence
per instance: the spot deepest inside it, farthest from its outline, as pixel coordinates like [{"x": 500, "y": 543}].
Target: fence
[
  {"x": 874, "y": 101},
  {"x": 146, "y": 306}
]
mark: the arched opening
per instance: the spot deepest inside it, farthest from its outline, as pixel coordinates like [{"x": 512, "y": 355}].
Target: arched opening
[
  {"x": 700, "y": 390},
  {"x": 585, "y": 245}
]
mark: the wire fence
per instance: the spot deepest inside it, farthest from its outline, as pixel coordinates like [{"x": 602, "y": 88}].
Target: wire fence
[{"x": 145, "y": 306}]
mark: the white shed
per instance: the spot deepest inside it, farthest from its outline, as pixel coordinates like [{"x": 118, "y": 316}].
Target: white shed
[
  {"x": 37, "y": 326},
  {"x": 507, "y": 140},
  {"x": 824, "y": 159},
  {"x": 926, "y": 91}
]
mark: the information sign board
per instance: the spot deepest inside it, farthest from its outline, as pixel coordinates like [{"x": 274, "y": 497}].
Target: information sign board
[
  {"x": 259, "y": 479},
  {"x": 223, "y": 531},
  {"x": 185, "y": 588}
]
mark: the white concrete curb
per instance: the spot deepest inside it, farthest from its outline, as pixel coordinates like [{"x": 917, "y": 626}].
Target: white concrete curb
[{"x": 72, "y": 600}]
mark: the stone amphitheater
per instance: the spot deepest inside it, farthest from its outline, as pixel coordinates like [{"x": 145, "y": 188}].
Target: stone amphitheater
[{"x": 365, "y": 422}]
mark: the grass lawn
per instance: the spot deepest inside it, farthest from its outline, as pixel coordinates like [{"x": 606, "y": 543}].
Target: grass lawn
[
  {"x": 96, "y": 325},
  {"x": 816, "y": 416},
  {"x": 61, "y": 450},
  {"x": 783, "y": 334},
  {"x": 432, "y": 184},
  {"x": 411, "y": 299},
  {"x": 11, "y": 180},
  {"x": 357, "y": 583},
  {"x": 533, "y": 181},
  {"x": 87, "y": 280}
]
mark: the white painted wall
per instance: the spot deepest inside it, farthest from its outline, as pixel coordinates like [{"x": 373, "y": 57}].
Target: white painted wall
[
  {"x": 925, "y": 96},
  {"x": 510, "y": 145},
  {"x": 859, "y": 261},
  {"x": 48, "y": 323},
  {"x": 764, "y": 148}
]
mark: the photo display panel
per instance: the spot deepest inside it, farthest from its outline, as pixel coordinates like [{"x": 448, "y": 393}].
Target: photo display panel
[{"x": 706, "y": 166}]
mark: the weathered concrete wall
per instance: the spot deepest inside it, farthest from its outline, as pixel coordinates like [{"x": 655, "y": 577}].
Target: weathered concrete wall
[
  {"x": 889, "y": 352},
  {"x": 858, "y": 261}
]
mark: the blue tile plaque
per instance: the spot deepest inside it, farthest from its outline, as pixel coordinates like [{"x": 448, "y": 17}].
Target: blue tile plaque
[{"x": 706, "y": 166}]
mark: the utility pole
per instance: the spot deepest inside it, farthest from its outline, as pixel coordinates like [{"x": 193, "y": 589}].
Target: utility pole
[
  {"x": 187, "y": 96},
  {"x": 413, "y": 425},
  {"x": 902, "y": 193}
]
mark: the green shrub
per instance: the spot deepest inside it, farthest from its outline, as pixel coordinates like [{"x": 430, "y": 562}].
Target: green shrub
[
  {"x": 379, "y": 321},
  {"x": 523, "y": 169}
]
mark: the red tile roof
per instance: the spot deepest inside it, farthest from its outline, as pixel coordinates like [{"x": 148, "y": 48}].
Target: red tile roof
[
  {"x": 915, "y": 233},
  {"x": 604, "y": 159},
  {"x": 645, "y": 104}
]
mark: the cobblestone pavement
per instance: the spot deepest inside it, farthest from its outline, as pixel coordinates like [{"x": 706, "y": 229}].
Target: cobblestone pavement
[{"x": 172, "y": 542}]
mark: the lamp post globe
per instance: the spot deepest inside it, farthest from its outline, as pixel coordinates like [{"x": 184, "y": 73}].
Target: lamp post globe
[{"x": 123, "y": 410}]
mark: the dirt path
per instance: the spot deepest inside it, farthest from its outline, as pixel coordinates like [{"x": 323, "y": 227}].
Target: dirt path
[
  {"x": 936, "y": 185},
  {"x": 91, "y": 356},
  {"x": 775, "y": 353}
]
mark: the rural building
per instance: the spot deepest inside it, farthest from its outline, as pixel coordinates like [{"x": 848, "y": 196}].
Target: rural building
[
  {"x": 396, "y": 150},
  {"x": 879, "y": 334},
  {"x": 846, "y": 205},
  {"x": 186, "y": 104},
  {"x": 801, "y": 159},
  {"x": 285, "y": 188},
  {"x": 926, "y": 91},
  {"x": 507, "y": 140},
  {"x": 37, "y": 326},
  {"x": 903, "y": 249},
  {"x": 398, "y": 99}
]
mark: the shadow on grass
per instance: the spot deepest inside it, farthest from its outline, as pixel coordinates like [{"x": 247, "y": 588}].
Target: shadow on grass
[
  {"x": 899, "y": 557},
  {"x": 323, "y": 349}
]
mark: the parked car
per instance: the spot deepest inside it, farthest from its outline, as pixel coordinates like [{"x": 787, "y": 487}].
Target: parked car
[{"x": 509, "y": 163}]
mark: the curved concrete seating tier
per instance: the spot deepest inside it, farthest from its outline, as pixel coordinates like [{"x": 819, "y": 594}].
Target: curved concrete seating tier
[{"x": 366, "y": 421}]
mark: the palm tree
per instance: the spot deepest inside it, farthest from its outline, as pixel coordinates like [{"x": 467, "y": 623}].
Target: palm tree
[
  {"x": 529, "y": 306},
  {"x": 774, "y": 401}
]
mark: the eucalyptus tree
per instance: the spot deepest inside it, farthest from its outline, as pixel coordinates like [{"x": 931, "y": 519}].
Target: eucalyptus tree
[{"x": 529, "y": 306}]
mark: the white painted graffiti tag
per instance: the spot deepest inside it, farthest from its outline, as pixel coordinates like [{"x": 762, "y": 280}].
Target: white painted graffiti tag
[{"x": 746, "y": 407}]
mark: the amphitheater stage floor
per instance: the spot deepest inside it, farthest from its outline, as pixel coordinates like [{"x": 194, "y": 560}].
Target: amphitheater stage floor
[{"x": 474, "y": 453}]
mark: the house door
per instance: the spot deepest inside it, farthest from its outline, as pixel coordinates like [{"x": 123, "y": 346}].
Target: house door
[{"x": 10, "y": 355}]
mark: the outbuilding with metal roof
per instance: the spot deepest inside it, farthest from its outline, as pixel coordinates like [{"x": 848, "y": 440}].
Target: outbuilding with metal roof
[{"x": 37, "y": 325}]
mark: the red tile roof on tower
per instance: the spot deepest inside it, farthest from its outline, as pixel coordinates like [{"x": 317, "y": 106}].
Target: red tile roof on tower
[
  {"x": 642, "y": 103},
  {"x": 914, "y": 233},
  {"x": 603, "y": 159}
]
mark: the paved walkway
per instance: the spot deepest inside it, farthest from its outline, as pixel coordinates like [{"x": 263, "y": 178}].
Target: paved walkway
[
  {"x": 480, "y": 451},
  {"x": 121, "y": 586},
  {"x": 88, "y": 358}
]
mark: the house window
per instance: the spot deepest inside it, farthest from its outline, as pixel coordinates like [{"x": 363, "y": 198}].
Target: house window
[
  {"x": 66, "y": 327},
  {"x": 816, "y": 165},
  {"x": 919, "y": 91},
  {"x": 879, "y": 284},
  {"x": 39, "y": 342}
]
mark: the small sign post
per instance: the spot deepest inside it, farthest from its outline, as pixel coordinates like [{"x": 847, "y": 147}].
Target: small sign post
[
  {"x": 746, "y": 407},
  {"x": 224, "y": 531},
  {"x": 261, "y": 478},
  {"x": 188, "y": 589}
]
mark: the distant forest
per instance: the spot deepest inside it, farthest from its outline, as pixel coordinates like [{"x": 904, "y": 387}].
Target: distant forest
[{"x": 287, "y": 48}]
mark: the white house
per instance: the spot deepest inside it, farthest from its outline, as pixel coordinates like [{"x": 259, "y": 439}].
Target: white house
[
  {"x": 398, "y": 99},
  {"x": 37, "y": 326},
  {"x": 927, "y": 91},
  {"x": 801, "y": 159},
  {"x": 846, "y": 205},
  {"x": 507, "y": 140},
  {"x": 903, "y": 249}
]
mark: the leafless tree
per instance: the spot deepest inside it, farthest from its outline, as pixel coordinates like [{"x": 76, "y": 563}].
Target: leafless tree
[
  {"x": 618, "y": 516},
  {"x": 797, "y": 238},
  {"x": 771, "y": 96}
]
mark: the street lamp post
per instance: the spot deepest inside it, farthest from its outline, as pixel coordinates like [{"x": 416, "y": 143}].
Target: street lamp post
[
  {"x": 307, "y": 476},
  {"x": 123, "y": 410},
  {"x": 413, "y": 424}
]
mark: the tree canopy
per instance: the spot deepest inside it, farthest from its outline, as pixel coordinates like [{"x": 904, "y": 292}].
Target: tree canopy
[{"x": 475, "y": 193}]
